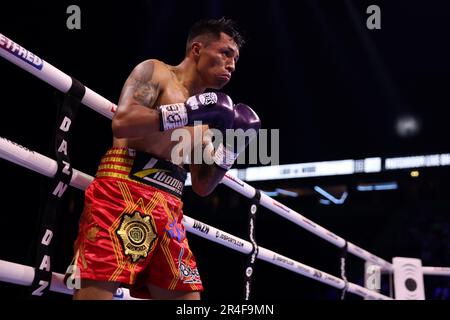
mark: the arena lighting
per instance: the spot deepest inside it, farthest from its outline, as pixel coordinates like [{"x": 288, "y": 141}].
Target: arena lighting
[
  {"x": 286, "y": 192},
  {"x": 408, "y": 125},
  {"x": 270, "y": 193},
  {"x": 339, "y": 167},
  {"x": 415, "y": 173},
  {"x": 433, "y": 160},
  {"x": 377, "y": 186},
  {"x": 324, "y": 201},
  {"x": 330, "y": 197},
  {"x": 280, "y": 192}
]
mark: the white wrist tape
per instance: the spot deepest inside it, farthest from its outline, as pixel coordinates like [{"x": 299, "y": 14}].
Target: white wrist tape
[
  {"x": 173, "y": 116},
  {"x": 224, "y": 158}
]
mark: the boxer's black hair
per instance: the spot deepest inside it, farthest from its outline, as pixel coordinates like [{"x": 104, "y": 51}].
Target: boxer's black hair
[{"x": 215, "y": 27}]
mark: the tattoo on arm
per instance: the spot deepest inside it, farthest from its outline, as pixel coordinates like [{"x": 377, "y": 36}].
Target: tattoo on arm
[
  {"x": 146, "y": 93},
  {"x": 141, "y": 85}
]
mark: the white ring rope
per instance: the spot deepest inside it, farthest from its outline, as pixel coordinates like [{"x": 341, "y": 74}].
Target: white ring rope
[
  {"x": 436, "y": 271},
  {"x": 275, "y": 206},
  {"x": 23, "y": 275},
  {"x": 44, "y": 165},
  {"x": 28, "y": 61},
  {"x": 61, "y": 81}
]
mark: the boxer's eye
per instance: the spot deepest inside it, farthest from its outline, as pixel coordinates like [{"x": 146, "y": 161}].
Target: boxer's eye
[{"x": 228, "y": 52}]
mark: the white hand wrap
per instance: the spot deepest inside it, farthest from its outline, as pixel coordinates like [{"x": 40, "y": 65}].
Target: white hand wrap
[
  {"x": 224, "y": 158},
  {"x": 173, "y": 116}
]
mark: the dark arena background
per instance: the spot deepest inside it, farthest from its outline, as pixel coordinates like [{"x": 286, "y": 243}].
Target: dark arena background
[{"x": 336, "y": 90}]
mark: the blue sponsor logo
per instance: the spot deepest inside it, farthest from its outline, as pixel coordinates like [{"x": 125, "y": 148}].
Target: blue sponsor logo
[
  {"x": 21, "y": 52},
  {"x": 119, "y": 293}
]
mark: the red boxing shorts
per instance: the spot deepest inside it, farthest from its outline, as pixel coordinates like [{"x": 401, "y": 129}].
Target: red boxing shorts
[{"x": 131, "y": 227}]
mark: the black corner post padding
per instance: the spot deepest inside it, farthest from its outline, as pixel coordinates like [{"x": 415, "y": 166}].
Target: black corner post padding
[
  {"x": 67, "y": 111},
  {"x": 249, "y": 270}
]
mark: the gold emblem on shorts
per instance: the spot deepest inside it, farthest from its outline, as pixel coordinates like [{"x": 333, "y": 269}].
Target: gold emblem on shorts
[{"x": 138, "y": 235}]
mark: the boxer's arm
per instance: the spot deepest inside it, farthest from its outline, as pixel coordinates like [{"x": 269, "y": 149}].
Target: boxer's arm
[
  {"x": 205, "y": 178},
  {"x": 135, "y": 116}
]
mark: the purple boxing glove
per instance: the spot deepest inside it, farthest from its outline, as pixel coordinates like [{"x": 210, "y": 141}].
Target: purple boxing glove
[
  {"x": 212, "y": 108},
  {"x": 246, "y": 125}
]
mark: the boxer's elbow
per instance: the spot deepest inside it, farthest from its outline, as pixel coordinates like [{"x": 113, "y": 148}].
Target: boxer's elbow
[
  {"x": 122, "y": 126},
  {"x": 119, "y": 129},
  {"x": 202, "y": 189},
  {"x": 205, "y": 178},
  {"x": 134, "y": 121}
]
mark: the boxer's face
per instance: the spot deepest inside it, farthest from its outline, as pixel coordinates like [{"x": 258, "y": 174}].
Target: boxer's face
[{"x": 217, "y": 61}]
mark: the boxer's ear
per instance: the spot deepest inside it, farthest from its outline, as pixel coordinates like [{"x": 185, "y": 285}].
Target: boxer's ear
[{"x": 196, "y": 48}]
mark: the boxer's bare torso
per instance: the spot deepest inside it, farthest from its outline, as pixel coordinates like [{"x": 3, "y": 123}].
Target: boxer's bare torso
[{"x": 160, "y": 87}]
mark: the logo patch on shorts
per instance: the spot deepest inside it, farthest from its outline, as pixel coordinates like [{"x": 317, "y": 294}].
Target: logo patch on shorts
[
  {"x": 175, "y": 230},
  {"x": 138, "y": 235},
  {"x": 161, "y": 174},
  {"x": 188, "y": 275}
]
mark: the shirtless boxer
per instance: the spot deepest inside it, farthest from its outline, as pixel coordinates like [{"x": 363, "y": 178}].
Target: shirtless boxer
[{"x": 131, "y": 230}]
